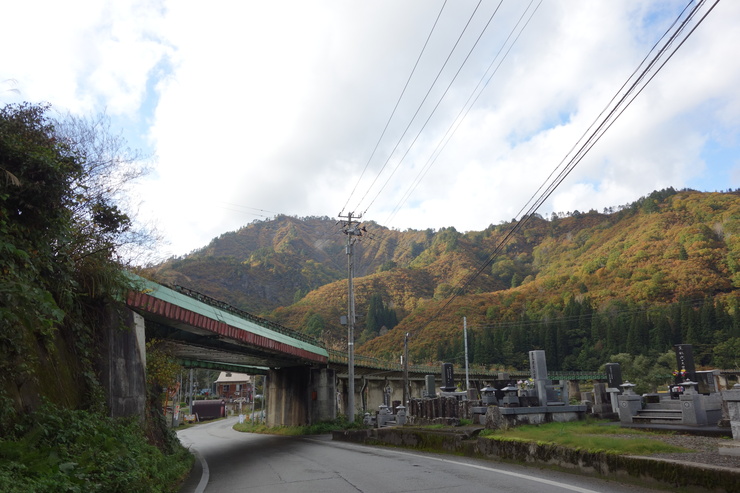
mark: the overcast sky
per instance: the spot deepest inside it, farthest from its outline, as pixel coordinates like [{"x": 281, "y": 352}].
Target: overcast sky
[{"x": 250, "y": 109}]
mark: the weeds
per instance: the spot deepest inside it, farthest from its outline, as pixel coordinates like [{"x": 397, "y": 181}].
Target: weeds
[
  {"x": 56, "y": 450},
  {"x": 315, "y": 429}
]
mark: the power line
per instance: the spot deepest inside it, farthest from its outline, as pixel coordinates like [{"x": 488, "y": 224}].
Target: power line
[
  {"x": 439, "y": 73},
  {"x": 458, "y": 120},
  {"x": 464, "y": 110},
  {"x": 387, "y": 123},
  {"x": 693, "y": 303},
  {"x": 601, "y": 128},
  {"x": 590, "y": 141},
  {"x": 434, "y": 110}
]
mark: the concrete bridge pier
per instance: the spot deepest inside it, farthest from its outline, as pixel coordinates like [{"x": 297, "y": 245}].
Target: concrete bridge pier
[
  {"x": 299, "y": 396},
  {"x": 374, "y": 389},
  {"x": 122, "y": 364}
]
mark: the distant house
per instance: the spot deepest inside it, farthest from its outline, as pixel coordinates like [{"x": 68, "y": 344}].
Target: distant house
[{"x": 234, "y": 386}]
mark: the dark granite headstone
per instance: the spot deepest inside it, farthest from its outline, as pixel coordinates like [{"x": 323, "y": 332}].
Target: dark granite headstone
[
  {"x": 448, "y": 378},
  {"x": 685, "y": 361},
  {"x": 613, "y": 375}
]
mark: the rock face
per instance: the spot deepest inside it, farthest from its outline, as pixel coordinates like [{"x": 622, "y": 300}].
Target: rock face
[{"x": 494, "y": 420}]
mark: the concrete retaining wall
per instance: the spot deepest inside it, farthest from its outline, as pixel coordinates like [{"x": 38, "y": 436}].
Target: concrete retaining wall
[{"x": 675, "y": 474}]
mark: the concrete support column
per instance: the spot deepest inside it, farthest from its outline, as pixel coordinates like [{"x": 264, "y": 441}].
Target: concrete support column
[
  {"x": 122, "y": 365},
  {"x": 374, "y": 394},
  {"x": 322, "y": 392},
  {"x": 417, "y": 389},
  {"x": 287, "y": 396},
  {"x": 299, "y": 396}
]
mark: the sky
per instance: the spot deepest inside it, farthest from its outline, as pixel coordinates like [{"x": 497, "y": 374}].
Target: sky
[{"x": 414, "y": 114}]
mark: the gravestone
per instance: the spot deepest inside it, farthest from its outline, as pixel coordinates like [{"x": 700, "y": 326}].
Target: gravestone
[
  {"x": 685, "y": 361},
  {"x": 448, "y": 378},
  {"x": 602, "y": 402},
  {"x": 706, "y": 382},
  {"x": 613, "y": 375},
  {"x": 430, "y": 388},
  {"x": 538, "y": 370},
  {"x": 538, "y": 364}
]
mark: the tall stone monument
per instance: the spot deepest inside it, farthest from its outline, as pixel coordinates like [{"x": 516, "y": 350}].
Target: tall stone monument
[
  {"x": 448, "y": 378},
  {"x": 685, "y": 361},
  {"x": 538, "y": 370}
]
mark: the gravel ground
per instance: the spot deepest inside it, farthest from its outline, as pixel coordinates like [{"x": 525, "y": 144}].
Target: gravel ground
[{"x": 705, "y": 450}]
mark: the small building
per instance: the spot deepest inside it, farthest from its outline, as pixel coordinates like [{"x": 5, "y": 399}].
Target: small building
[{"x": 234, "y": 386}]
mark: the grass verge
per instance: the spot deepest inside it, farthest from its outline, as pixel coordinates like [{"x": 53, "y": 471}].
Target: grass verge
[
  {"x": 591, "y": 436},
  {"x": 316, "y": 429}
]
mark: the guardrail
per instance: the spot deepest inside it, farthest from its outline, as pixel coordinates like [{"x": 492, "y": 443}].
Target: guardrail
[{"x": 222, "y": 305}]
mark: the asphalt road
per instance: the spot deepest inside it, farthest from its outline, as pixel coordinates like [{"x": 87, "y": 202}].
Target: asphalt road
[{"x": 230, "y": 461}]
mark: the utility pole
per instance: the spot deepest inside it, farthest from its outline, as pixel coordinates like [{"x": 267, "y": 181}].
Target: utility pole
[
  {"x": 405, "y": 371},
  {"x": 191, "y": 388},
  {"x": 467, "y": 373},
  {"x": 353, "y": 231}
]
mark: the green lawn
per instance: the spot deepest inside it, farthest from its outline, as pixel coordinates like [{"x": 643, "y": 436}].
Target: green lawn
[{"x": 591, "y": 436}]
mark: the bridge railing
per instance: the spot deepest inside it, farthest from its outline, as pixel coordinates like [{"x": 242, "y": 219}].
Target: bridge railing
[
  {"x": 368, "y": 362},
  {"x": 222, "y": 305}
]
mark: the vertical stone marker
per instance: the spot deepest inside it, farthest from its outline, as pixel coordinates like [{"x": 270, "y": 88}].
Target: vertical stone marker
[
  {"x": 732, "y": 399},
  {"x": 538, "y": 364},
  {"x": 685, "y": 361},
  {"x": 538, "y": 369},
  {"x": 613, "y": 375},
  {"x": 430, "y": 389},
  {"x": 448, "y": 378}
]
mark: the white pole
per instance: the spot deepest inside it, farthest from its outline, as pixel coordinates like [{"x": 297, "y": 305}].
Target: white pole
[
  {"x": 254, "y": 392},
  {"x": 467, "y": 373}
]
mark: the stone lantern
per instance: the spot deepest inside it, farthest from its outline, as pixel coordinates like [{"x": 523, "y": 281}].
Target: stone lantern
[
  {"x": 511, "y": 397},
  {"x": 488, "y": 396},
  {"x": 628, "y": 387}
]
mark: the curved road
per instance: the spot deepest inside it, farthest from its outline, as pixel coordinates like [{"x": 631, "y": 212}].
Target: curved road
[{"x": 230, "y": 461}]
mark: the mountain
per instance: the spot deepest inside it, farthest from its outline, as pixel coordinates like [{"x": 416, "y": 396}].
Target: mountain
[{"x": 519, "y": 284}]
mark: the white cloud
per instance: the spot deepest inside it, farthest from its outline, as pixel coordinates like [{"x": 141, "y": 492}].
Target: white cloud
[{"x": 277, "y": 106}]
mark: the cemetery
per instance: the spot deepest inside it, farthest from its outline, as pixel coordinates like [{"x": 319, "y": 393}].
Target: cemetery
[
  {"x": 696, "y": 402},
  {"x": 502, "y": 403}
]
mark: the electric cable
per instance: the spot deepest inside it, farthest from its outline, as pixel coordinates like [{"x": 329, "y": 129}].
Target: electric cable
[
  {"x": 595, "y": 136},
  {"x": 413, "y": 118},
  {"x": 387, "y": 123},
  {"x": 434, "y": 110},
  {"x": 452, "y": 129}
]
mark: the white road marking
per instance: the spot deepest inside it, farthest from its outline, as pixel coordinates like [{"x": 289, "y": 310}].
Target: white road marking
[{"x": 499, "y": 471}]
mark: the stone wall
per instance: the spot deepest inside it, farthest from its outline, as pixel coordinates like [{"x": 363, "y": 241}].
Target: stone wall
[{"x": 641, "y": 469}]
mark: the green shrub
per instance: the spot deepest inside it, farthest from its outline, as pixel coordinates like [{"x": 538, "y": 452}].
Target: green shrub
[{"x": 59, "y": 450}]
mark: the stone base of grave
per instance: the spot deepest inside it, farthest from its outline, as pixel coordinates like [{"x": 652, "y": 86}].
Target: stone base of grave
[
  {"x": 508, "y": 417},
  {"x": 730, "y": 448}
]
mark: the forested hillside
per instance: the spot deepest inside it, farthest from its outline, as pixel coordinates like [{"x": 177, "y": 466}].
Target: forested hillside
[
  {"x": 583, "y": 286},
  {"x": 63, "y": 227}
]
